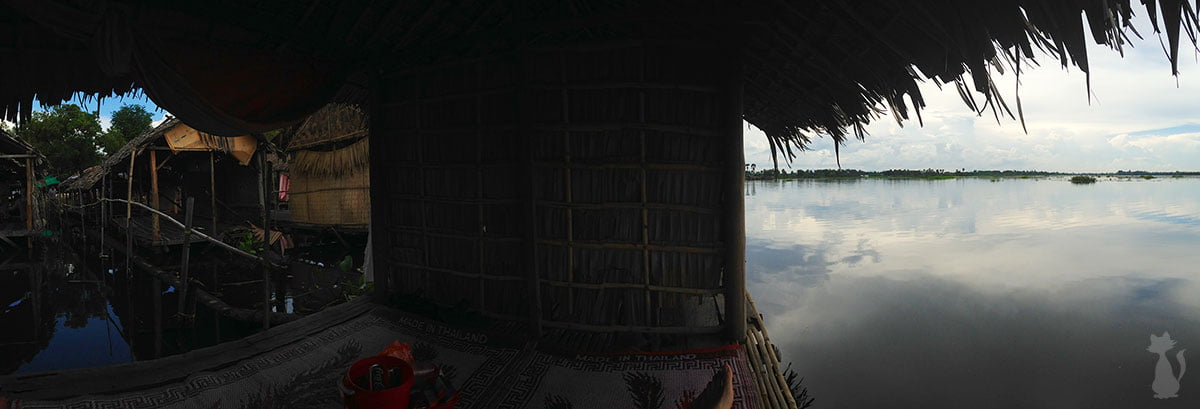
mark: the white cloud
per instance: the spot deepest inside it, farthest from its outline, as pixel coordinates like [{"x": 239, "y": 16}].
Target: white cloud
[{"x": 163, "y": 117}]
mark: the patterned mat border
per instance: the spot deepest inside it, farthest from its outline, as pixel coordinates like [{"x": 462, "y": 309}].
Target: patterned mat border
[{"x": 735, "y": 355}]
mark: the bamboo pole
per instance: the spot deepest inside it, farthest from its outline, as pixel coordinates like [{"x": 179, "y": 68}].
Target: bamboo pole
[
  {"x": 129, "y": 213},
  {"x": 103, "y": 211},
  {"x": 735, "y": 205},
  {"x": 385, "y": 281},
  {"x": 185, "y": 258},
  {"x": 83, "y": 219},
  {"x": 154, "y": 192},
  {"x": 29, "y": 199}
]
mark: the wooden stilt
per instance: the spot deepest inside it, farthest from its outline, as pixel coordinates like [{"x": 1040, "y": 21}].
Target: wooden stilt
[
  {"x": 29, "y": 200},
  {"x": 735, "y": 205},
  {"x": 154, "y": 193},
  {"x": 129, "y": 213},
  {"x": 83, "y": 219},
  {"x": 104, "y": 206}
]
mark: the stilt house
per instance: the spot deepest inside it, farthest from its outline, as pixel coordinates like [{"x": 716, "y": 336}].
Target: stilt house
[{"x": 167, "y": 165}]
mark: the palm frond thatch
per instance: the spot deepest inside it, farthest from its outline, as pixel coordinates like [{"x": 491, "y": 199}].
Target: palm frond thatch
[
  {"x": 333, "y": 123},
  {"x": 336, "y": 163}
]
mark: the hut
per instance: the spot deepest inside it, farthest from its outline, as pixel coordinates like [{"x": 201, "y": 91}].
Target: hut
[
  {"x": 574, "y": 168},
  {"x": 327, "y": 171},
  {"x": 19, "y": 200},
  {"x": 163, "y": 167}
]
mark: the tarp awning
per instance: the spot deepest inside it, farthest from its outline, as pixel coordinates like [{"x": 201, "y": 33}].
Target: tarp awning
[{"x": 185, "y": 138}]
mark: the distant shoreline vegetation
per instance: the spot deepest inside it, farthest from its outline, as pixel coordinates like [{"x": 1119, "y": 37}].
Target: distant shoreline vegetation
[{"x": 939, "y": 174}]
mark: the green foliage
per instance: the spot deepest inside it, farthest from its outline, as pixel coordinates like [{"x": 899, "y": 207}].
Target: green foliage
[
  {"x": 248, "y": 244},
  {"x": 1082, "y": 180},
  {"x": 127, "y": 123},
  {"x": 66, "y": 135},
  {"x": 1147, "y": 177},
  {"x": 357, "y": 288}
]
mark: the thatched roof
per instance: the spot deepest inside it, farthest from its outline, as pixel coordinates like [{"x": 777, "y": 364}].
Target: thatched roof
[
  {"x": 332, "y": 163},
  {"x": 10, "y": 144},
  {"x": 332, "y": 124},
  {"x": 119, "y": 159},
  {"x": 811, "y": 68}
]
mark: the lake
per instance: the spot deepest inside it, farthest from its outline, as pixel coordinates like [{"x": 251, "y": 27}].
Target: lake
[{"x": 977, "y": 293}]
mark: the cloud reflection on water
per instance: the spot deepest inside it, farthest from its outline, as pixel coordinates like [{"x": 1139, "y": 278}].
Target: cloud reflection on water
[{"x": 970, "y": 293}]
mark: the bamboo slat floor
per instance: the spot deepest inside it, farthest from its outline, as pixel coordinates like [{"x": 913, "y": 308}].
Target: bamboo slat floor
[{"x": 764, "y": 359}]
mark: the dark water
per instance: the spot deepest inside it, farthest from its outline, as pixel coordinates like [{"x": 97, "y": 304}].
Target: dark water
[
  {"x": 1018, "y": 293},
  {"x": 56, "y": 314},
  {"x": 64, "y": 307}
]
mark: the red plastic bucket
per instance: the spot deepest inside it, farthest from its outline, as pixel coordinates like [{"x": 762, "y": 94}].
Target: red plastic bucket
[{"x": 358, "y": 396}]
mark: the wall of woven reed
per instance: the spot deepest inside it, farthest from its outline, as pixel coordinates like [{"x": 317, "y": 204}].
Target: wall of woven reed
[
  {"x": 343, "y": 200},
  {"x": 607, "y": 157}
]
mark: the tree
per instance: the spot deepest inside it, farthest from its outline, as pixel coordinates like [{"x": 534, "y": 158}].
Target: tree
[
  {"x": 66, "y": 135},
  {"x": 127, "y": 123}
]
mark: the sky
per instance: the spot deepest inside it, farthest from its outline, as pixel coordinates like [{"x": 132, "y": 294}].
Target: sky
[{"x": 1140, "y": 117}]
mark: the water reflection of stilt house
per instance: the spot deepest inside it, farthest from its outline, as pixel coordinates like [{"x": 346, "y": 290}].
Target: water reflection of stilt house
[{"x": 161, "y": 169}]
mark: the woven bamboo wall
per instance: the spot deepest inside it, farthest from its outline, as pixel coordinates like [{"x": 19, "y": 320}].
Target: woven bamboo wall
[
  {"x": 594, "y": 169},
  {"x": 331, "y": 200}
]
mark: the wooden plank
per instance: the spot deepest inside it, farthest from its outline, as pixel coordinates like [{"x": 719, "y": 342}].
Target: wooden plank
[{"x": 154, "y": 192}]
